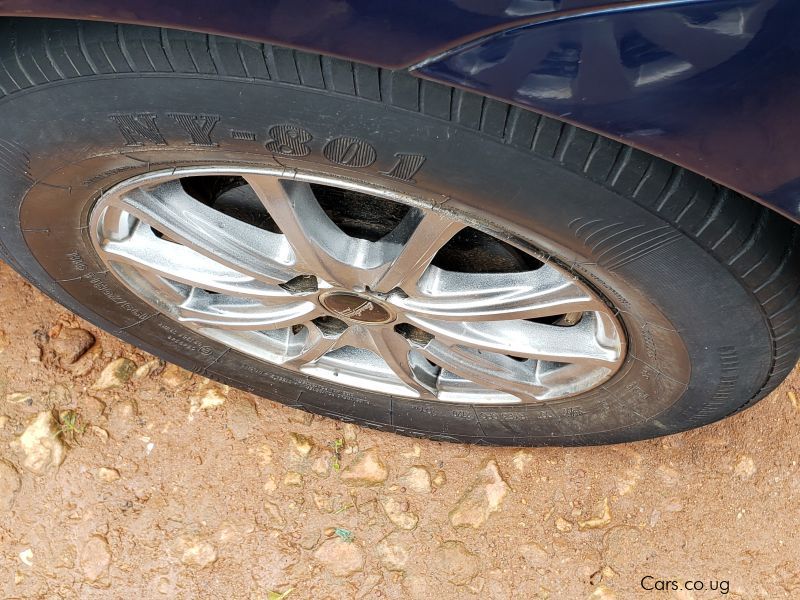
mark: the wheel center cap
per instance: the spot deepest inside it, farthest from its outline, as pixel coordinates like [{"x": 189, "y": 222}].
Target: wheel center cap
[{"x": 356, "y": 307}]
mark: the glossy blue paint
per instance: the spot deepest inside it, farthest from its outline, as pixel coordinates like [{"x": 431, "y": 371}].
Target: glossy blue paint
[
  {"x": 389, "y": 33},
  {"x": 713, "y": 86}
]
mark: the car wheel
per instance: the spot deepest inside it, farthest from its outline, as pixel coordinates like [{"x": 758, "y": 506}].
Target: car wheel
[{"x": 376, "y": 248}]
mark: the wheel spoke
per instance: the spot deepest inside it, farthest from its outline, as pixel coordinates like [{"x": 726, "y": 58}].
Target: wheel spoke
[
  {"x": 580, "y": 343},
  {"x": 147, "y": 253},
  {"x": 226, "y": 312},
  {"x": 447, "y": 295},
  {"x": 242, "y": 247},
  {"x": 395, "y": 350},
  {"x": 490, "y": 371},
  {"x": 312, "y": 345},
  {"x": 320, "y": 246},
  {"x": 417, "y": 239}
]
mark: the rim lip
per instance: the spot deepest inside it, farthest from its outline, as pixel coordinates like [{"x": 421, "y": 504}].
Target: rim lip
[{"x": 97, "y": 211}]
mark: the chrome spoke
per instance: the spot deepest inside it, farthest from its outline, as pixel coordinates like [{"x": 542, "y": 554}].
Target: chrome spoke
[
  {"x": 148, "y": 253},
  {"x": 320, "y": 246},
  {"x": 491, "y": 371},
  {"x": 395, "y": 350},
  {"x": 418, "y": 237},
  {"x": 242, "y": 247},
  {"x": 238, "y": 314},
  {"x": 496, "y": 296},
  {"x": 577, "y": 344}
]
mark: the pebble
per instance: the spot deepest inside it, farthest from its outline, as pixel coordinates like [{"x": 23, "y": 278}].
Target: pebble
[
  {"x": 209, "y": 398},
  {"x": 121, "y": 418},
  {"x": 21, "y": 398},
  {"x": 341, "y": 558},
  {"x": 367, "y": 469},
  {"x": 597, "y": 522},
  {"x": 173, "y": 376},
  {"x": 533, "y": 554},
  {"x": 322, "y": 464},
  {"x": 108, "y": 474},
  {"x": 71, "y": 344},
  {"x": 115, "y": 374},
  {"x": 563, "y": 525},
  {"x": 59, "y": 396},
  {"x": 454, "y": 563},
  {"x": 745, "y": 468},
  {"x": 41, "y": 444},
  {"x": 196, "y": 553},
  {"x": 10, "y": 483},
  {"x": 303, "y": 445},
  {"x": 95, "y": 558},
  {"x": 439, "y": 479},
  {"x": 151, "y": 367},
  {"x": 417, "y": 479},
  {"x": 241, "y": 417},
  {"x": 293, "y": 478},
  {"x": 398, "y": 513},
  {"x": 393, "y": 555},
  {"x": 484, "y": 497}
]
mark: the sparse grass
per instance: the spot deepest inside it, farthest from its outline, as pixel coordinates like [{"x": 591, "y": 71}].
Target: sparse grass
[
  {"x": 337, "y": 453},
  {"x": 68, "y": 425}
]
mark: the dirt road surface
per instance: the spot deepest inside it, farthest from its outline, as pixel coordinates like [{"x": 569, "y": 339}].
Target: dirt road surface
[{"x": 121, "y": 477}]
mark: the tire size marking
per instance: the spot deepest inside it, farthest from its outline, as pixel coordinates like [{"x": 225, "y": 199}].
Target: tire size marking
[{"x": 142, "y": 129}]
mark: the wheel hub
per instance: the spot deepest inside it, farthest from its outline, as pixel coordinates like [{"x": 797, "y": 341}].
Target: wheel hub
[
  {"x": 357, "y": 307},
  {"x": 356, "y": 284}
]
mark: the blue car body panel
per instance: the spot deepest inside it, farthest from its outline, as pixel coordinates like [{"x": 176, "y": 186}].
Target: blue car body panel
[{"x": 712, "y": 85}]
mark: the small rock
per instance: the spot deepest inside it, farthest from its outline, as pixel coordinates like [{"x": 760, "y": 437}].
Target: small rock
[
  {"x": 454, "y": 563},
  {"x": 275, "y": 519},
  {"x": 673, "y": 504},
  {"x": 534, "y": 554},
  {"x": 293, "y": 478},
  {"x": 745, "y": 468},
  {"x": 241, "y": 417},
  {"x": 439, "y": 479},
  {"x": 212, "y": 397},
  {"x": 563, "y": 525},
  {"x": 88, "y": 361},
  {"x": 107, "y": 474},
  {"x": 10, "y": 483},
  {"x": 522, "y": 459},
  {"x": 22, "y": 398},
  {"x": 484, "y": 497},
  {"x": 41, "y": 444},
  {"x": 59, "y": 396},
  {"x": 173, "y": 376},
  {"x": 417, "y": 479},
  {"x": 122, "y": 416},
  {"x": 339, "y": 557},
  {"x": 95, "y": 558},
  {"x": 367, "y": 469},
  {"x": 26, "y": 556},
  {"x": 115, "y": 374},
  {"x": 302, "y": 444},
  {"x": 322, "y": 464},
  {"x": 393, "y": 555},
  {"x": 71, "y": 344},
  {"x": 398, "y": 513},
  {"x": 99, "y": 432},
  {"x": 151, "y": 367},
  {"x": 598, "y": 521},
  {"x": 196, "y": 553},
  {"x": 603, "y": 593}
]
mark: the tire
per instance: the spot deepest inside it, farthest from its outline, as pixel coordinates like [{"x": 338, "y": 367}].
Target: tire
[{"x": 703, "y": 281}]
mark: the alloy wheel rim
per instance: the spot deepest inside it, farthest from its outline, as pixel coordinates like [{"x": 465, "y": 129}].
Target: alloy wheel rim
[{"x": 378, "y": 314}]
